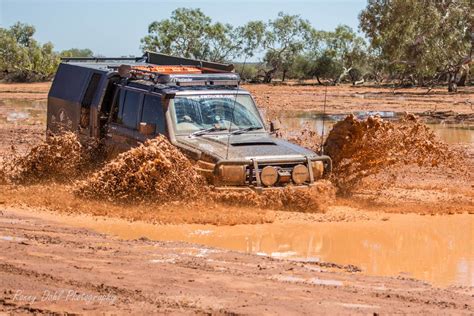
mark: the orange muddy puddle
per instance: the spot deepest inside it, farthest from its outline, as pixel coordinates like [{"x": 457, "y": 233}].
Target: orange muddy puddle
[{"x": 437, "y": 249}]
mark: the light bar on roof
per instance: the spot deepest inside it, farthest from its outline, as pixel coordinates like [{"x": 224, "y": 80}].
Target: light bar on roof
[{"x": 227, "y": 79}]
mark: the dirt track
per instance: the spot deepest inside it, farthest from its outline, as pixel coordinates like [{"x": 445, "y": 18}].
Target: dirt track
[
  {"x": 51, "y": 268},
  {"x": 278, "y": 99},
  {"x": 147, "y": 276}
]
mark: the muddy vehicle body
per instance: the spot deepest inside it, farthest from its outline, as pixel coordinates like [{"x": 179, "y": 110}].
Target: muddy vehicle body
[{"x": 197, "y": 105}]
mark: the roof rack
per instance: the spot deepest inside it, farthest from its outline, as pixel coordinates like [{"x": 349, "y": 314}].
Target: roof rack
[
  {"x": 165, "y": 69},
  {"x": 159, "y": 59},
  {"x": 103, "y": 59},
  {"x": 168, "y": 60}
]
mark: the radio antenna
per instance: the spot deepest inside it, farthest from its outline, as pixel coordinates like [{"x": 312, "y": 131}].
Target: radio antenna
[
  {"x": 233, "y": 109},
  {"x": 324, "y": 119}
]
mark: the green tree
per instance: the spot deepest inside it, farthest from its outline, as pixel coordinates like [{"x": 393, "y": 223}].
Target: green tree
[
  {"x": 421, "y": 39},
  {"x": 22, "y": 58},
  {"x": 185, "y": 34},
  {"x": 190, "y": 33},
  {"x": 332, "y": 55},
  {"x": 285, "y": 38},
  {"x": 77, "y": 52},
  {"x": 22, "y": 33},
  {"x": 347, "y": 52}
]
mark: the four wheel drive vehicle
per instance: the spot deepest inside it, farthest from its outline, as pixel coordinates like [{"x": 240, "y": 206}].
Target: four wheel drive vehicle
[{"x": 197, "y": 105}]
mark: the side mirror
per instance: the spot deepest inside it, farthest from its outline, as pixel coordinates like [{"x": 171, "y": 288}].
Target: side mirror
[
  {"x": 275, "y": 126},
  {"x": 146, "y": 128}
]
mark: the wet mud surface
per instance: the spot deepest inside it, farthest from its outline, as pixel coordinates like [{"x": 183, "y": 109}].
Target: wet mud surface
[
  {"x": 429, "y": 178},
  {"x": 374, "y": 244},
  {"x": 58, "y": 268}
]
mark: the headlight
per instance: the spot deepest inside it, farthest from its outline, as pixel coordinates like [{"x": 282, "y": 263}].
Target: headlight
[
  {"x": 269, "y": 176},
  {"x": 318, "y": 169},
  {"x": 232, "y": 174},
  {"x": 300, "y": 174}
]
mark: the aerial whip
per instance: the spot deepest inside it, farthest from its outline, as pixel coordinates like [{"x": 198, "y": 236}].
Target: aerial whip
[
  {"x": 233, "y": 108},
  {"x": 324, "y": 118}
]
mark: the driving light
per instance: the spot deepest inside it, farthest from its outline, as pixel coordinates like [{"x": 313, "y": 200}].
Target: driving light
[
  {"x": 232, "y": 174},
  {"x": 300, "y": 174},
  {"x": 318, "y": 169},
  {"x": 269, "y": 176}
]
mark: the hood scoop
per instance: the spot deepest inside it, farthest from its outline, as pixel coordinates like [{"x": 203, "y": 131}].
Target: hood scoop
[{"x": 254, "y": 143}]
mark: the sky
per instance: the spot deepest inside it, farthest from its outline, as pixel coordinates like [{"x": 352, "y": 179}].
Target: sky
[{"x": 115, "y": 27}]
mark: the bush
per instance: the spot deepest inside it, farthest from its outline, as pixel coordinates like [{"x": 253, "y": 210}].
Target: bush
[{"x": 23, "y": 59}]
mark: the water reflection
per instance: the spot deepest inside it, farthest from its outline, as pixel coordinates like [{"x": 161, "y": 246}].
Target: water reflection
[
  {"x": 454, "y": 133},
  {"x": 438, "y": 249}
]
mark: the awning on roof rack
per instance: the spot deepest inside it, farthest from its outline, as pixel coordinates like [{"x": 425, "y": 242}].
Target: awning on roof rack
[{"x": 167, "y": 60}]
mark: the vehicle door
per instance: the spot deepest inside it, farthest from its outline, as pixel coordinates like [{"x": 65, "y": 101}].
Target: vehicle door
[
  {"x": 122, "y": 131},
  {"x": 152, "y": 118}
]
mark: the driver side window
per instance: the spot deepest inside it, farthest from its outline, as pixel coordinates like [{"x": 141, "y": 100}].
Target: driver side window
[
  {"x": 153, "y": 113},
  {"x": 186, "y": 111}
]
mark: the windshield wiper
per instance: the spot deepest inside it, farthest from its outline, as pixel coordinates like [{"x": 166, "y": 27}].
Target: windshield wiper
[
  {"x": 245, "y": 130},
  {"x": 207, "y": 130}
]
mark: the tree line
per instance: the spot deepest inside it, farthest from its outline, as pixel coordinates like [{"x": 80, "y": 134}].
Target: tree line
[
  {"x": 23, "y": 59},
  {"x": 420, "y": 42},
  {"x": 288, "y": 46}
]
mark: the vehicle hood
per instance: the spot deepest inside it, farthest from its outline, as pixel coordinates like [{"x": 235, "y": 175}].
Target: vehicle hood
[{"x": 245, "y": 146}]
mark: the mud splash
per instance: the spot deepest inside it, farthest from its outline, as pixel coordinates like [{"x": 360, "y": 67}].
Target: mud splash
[
  {"x": 154, "y": 173},
  {"x": 156, "y": 170},
  {"x": 305, "y": 136},
  {"x": 360, "y": 149},
  {"x": 61, "y": 158},
  {"x": 314, "y": 199}
]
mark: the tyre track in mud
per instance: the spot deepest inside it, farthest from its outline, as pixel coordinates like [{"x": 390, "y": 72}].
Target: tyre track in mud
[{"x": 147, "y": 276}]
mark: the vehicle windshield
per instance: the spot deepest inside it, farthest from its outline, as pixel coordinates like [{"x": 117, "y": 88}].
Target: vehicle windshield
[{"x": 214, "y": 113}]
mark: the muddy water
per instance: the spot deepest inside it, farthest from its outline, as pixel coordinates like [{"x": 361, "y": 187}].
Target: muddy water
[
  {"x": 454, "y": 133},
  {"x": 437, "y": 249},
  {"x": 449, "y": 133},
  {"x": 19, "y": 111}
]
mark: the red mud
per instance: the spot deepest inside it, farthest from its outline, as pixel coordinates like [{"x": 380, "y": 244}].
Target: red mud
[
  {"x": 59, "y": 158},
  {"x": 360, "y": 149},
  {"x": 156, "y": 170}
]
